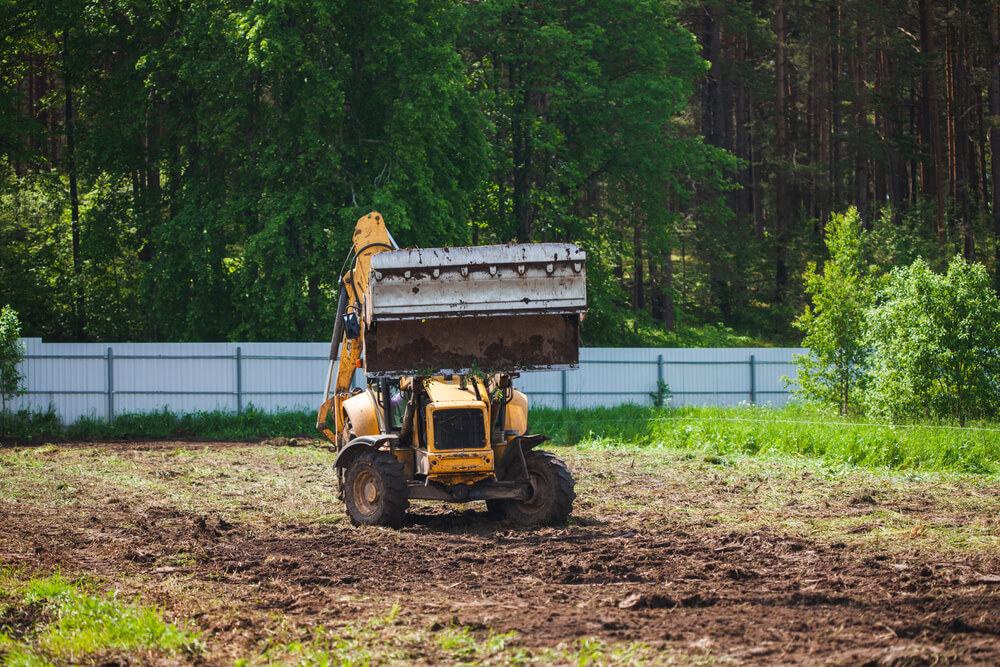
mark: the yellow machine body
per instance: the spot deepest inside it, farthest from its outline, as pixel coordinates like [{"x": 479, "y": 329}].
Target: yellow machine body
[
  {"x": 440, "y": 460},
  {"x": 469, "y": 463}
]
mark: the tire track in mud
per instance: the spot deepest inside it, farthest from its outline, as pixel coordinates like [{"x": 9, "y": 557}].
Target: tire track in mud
[
  {"x": 755, "y": 597},
  {"x": 760, "y": 596}
]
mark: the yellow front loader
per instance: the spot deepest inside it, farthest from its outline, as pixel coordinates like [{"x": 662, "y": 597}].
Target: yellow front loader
[{"x": 440, "y": 333}]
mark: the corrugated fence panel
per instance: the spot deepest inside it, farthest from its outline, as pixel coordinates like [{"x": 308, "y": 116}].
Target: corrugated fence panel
[
  {"x": 69, "y": 377},
  {"x": 702, "y": 376},
  {"x": 179, "y": 377},
  {"x": 284, "y": 376},
  {"x": 83, "y": 379}
]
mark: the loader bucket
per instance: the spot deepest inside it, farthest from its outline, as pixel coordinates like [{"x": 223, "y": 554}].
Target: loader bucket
[{"x": 493, "y": 308}]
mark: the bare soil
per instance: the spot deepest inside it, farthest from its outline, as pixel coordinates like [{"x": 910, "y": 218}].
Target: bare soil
[{"x": 689, "y": 584}]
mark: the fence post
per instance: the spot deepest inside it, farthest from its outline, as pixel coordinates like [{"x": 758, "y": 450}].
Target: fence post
[
  {"x": 239, "y": 380},
  {"x": 111, "y": 386},
  {"x": 659, "y": 372},
  {"x": 753, "y": 381},
  {"x": 564, "y": 390}
]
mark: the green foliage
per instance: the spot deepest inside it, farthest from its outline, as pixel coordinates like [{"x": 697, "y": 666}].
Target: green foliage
[
  {"x": 35, "y": 264},
  {"x": 589, "y": 140},
  {"x": 11, "y": 356},
  {"x": 834, "y": 370},
  {"x": 934, "y": 343},
  {"x": 30, "y": 425},
  {"x": 223, "y": 153},
  {"x": 71, "y": 623}
]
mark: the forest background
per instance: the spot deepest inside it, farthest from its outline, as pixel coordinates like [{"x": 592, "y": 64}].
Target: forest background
[{"x": 192, "y": 171}]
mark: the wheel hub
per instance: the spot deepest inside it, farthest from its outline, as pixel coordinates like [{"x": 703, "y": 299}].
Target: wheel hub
[
  {"x": 538, "y": 489},
  {"x": 370, "y": 492},
  {"x": 367, "y": 493}
]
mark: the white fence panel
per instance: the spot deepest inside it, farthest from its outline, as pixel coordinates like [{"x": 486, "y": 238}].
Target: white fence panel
[
  {"x": 284, "y": 376},
  {"x": 694, "y": 376},
  {"x": 102, "y": 380},
  {"x": 70, "y": 377}
]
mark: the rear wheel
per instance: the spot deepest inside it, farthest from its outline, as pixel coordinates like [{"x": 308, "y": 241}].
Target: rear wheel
[
  {"x": 552, "y": 492},
  {"x": 375, "y": 490}
]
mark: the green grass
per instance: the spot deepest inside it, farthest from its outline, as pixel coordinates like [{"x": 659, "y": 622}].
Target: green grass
[
  {"x": 792, "y": 430},
  {"x": 52, "y": 621},
  {"x": 393, "y": 639},
  {"x": 251, "y": 424},
  {"x": 749, "y": 431}
]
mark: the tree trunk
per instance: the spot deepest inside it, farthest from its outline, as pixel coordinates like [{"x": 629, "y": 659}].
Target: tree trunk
[
  {"x": 821, "y": 106},
  {"x": 521, "y": 154},
  {"x": 933, "y": 176},
  {"x": 742, "y": 150},
  {"x": 964, "y": 153},
  {"x": 834, "y": 168},
  {"x": 995, "y": 134},
  {"x": 79, "y": 316},
  {"x": 638, "y": 297},
  {"x": 781, "y": 208},
  {"x": 666, "y": 295},
  {"x": 753, "y": 143},
  {"x": 860, "y": 121},
  {"x": 712, "y": 123}
]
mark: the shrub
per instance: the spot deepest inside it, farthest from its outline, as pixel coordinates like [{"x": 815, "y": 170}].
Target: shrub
[
  {"x": 11, "y": 355},
  {"x": 935, "y": 344}
]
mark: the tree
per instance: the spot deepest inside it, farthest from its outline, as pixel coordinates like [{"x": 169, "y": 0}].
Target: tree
[
  {"x": 585, "y": 103},
  {"x": 834, "y": 369},
  {"x": 11, "y": 356},
  {"x": 934, "y": 342}
]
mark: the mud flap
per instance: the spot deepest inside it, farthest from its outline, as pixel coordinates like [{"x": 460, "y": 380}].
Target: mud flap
[{"x": 525, "y": 444}]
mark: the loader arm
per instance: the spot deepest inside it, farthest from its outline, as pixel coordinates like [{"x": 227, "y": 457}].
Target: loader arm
[{"x": 370, "y": 238}]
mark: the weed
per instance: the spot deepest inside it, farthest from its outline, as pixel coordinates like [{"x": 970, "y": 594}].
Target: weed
[{"x": 71, "y": 622}]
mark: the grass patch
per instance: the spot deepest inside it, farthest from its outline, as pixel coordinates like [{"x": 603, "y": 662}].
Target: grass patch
[
  {"x": 711, "y": 432},
  {"x": 391, "y": 639},
  {"x": 251, "y": 424},
  {"x": 792, "y": 430},
  {"x": 49, "y": 620}
]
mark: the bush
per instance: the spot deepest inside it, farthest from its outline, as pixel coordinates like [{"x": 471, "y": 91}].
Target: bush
[
  {"x": 11, "y": 356},
  {"x": 834, "y": 369},
  {"x": 934, "y": 344}
]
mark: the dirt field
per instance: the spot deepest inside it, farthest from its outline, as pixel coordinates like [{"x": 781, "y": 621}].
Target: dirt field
[{"x": 669, "y": 557}]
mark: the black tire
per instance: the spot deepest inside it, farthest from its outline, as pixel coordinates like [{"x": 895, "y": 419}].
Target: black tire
[
  {"x": 375, "y": 491},
  {"x": 552, "y": 492}
]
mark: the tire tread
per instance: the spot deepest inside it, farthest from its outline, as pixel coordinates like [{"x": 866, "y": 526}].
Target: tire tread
[
  {"x": 393, "y": 476},
  {"x": 564, "y": 493}
]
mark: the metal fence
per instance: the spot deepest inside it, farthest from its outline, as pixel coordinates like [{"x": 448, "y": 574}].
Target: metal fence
[
  {"x": 692, "y": 376},
  {"x": 102, "y": 380}
]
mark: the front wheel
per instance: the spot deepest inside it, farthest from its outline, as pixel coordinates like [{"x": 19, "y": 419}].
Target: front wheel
[
  {"x": 375, "y": 490},
  {"x": 552, "y": 492}
]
